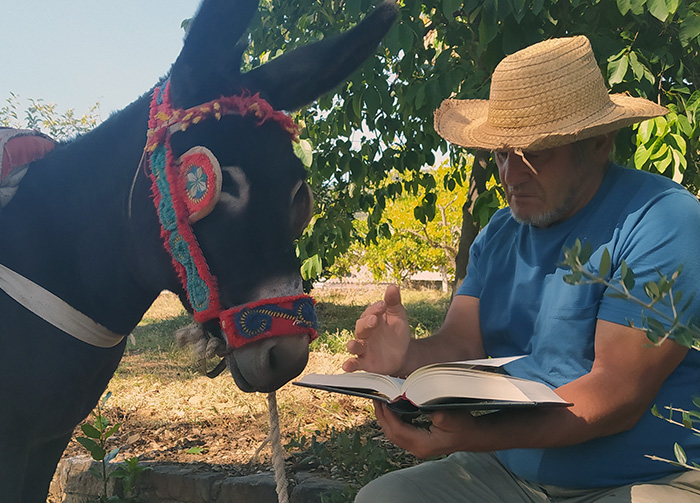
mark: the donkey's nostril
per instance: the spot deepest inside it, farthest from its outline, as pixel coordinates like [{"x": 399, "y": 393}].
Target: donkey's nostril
[{"x": 269, "y": 364}]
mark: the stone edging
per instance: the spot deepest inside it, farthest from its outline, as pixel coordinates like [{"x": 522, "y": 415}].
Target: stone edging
[{"x": 181, "y": 483}]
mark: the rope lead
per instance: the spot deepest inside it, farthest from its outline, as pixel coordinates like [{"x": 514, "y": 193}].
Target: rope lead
[{"x": 277, "y": 450}]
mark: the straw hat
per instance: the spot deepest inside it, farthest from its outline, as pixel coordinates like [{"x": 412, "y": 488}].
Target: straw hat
[{"x": 549, "y": 94}]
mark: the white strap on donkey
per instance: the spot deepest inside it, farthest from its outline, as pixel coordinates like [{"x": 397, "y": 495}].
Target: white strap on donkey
[{"x": 52, "y": 309}]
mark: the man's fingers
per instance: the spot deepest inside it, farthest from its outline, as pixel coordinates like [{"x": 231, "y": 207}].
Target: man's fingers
[
  {"x": 374, "y": 309},
  {"x": 355, "y": 348},
  {"x": 363, "y": 326},
  {"x": 350, "y": 365},
  {"x": 392, "y": 299}
]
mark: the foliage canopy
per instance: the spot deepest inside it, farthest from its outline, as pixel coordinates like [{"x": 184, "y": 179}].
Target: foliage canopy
[
  {"x": 382, "y": 118},
  {"x": 46, "y": 118}
]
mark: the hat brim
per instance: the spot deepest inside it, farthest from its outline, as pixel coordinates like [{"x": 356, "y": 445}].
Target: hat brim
[{"x": 464, "y": 123}]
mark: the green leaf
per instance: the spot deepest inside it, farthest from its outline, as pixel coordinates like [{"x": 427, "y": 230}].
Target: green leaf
[
  {"x": 195, "y": 450},
  {"x": 604, "y": 267},
  {"x": 392, "y": 42},
  {"x": 653, "y": 337},
  {"x": 573, "y": 279},
  {"x": 660, "y": 152},
  {"x": 658, "y": 9},
  {"x": 419, "y": 214},
  {"x": 91, "y": 431},
  {"x": 586, "y": 252},
  {"x": 663, "y": 164},
  {"x": 637, "y": 7},
  {"x": 645, "y": 130},
  {"x": 684, "y": 337},
  {"x": 672, "y": 5},
  {"x": 641, "y": 156},
  {"x": 311, "y": 268},
  {"x": 617, "y": 69},
  {"x": 680, "y": 454},
  {"x": 627, "y": 276},
  {"x": 449, "y": 7},
  {"x": 373, "y": 100},
  {"x": 652, "y": 290},
  {"x": 420, "y": 97},
  {"x": 623, "y": 6},
  {"x": 693, "y": 103},
  {"x": 112, "y": 430},
  {"x": 656, "y": 326},
  {"x": 357, "y": 105},
  {"x": 488, "y": 27},
  {"x": 680, "y": 143},
  {"x": 655, "y": 412},
  {"x": 636, "y": 66},
  {"x": 406, "y": 36},
  {"x": 689, "y": 29},
  {"x": 304, "y": 151},
  {"x": 96, "y": 451},
  {"x": 519, "y": 10}
]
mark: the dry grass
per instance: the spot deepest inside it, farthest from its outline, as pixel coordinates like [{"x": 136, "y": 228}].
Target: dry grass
[
  {"x": 171, "y": 413},
  {"x": 168, "y": 408}
]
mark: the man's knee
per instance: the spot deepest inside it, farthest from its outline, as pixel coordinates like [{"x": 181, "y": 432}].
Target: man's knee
[{"x": 394, "y": 486}]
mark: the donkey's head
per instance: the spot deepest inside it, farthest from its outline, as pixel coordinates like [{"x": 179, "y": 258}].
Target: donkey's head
[{"x": 230, "y": 192}]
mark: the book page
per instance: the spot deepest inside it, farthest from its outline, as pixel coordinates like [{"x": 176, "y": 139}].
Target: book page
[
  {"x": 483, "y": 363},
  {"x": 388, "y": 386},
  {"x": 536, "y": 391},
  {"x": 460, "y": 383}
]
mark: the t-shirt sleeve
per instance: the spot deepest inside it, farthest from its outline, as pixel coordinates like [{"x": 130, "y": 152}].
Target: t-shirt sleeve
[{"x": 663, "y": 238}]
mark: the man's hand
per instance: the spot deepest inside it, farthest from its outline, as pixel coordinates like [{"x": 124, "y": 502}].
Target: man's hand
[
  {"x": 448, "y": 433},
  {"x": 382, "y": 335},
  {"x": 627, "y": 373}
]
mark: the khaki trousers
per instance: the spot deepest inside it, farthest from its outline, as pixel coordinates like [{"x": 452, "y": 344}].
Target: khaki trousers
[{"x": 480, "y": 478}]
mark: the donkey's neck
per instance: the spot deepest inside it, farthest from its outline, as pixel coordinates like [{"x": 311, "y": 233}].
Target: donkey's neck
[{"x": 72, "y": 211}]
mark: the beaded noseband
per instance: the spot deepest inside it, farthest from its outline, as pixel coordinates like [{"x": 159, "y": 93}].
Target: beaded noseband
[{"x": 185, "y": 190}]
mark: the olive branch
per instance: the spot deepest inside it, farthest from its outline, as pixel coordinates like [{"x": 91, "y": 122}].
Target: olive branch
[{"x": 657, "y": 324}]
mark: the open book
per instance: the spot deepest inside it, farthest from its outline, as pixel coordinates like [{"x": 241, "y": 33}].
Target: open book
[{"x": 473, "y": 385}]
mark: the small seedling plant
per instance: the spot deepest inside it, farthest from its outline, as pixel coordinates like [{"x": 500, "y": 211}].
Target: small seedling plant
[
  {"x": 351, "y": 455},
  {"x": 656, "y": 323},
  {"x": 95, "y": 441}
]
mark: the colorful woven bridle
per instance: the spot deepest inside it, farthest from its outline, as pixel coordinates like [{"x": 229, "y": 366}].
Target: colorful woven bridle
[{"x": 185, "y": 190}]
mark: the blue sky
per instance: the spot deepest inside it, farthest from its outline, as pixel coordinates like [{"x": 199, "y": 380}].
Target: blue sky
[{"x": 78, "y": 52}]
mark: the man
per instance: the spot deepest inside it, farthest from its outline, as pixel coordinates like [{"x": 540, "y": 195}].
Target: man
[{"x": 551, "y": 125}]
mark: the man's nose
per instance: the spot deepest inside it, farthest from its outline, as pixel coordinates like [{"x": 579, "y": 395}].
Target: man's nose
[{"x": 515, "y": 169}]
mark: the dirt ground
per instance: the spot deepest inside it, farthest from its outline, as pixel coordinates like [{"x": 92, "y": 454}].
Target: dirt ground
[
  {"x": 171, "y": 413},
  {"x": 196, "y": 420}
]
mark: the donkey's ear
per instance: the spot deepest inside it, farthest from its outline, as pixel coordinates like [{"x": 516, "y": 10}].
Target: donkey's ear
[
  {"x": 299, "y": 77},
  {"x": 209, "y": 64}
]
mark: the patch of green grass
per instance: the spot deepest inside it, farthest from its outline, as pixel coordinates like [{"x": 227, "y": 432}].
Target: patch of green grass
[
  {"x": 337, "y": 312},
  {"x": 356, "y": 456}
]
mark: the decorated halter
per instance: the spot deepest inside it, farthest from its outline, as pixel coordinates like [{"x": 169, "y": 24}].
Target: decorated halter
[{"x": 186, "y": 190}]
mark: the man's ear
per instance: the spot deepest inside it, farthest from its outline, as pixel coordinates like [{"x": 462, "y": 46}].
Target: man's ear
[{"x": 601, "y": 147}]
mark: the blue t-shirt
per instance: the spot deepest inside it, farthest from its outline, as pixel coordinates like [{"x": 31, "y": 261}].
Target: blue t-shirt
[{"x": 525, "y": 307}]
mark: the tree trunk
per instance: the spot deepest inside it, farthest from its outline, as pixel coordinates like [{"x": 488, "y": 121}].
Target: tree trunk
[
  {"x": 445, "y": 280},
  {"x": 477, "y": 185}
]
